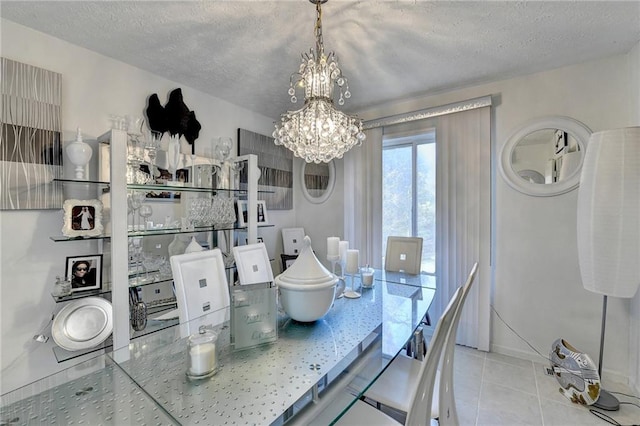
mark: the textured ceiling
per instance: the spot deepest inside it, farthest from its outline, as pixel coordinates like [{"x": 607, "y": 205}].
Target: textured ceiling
[{"x": 245, "y": 51}]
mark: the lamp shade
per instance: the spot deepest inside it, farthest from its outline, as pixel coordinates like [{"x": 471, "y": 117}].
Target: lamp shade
[{"x": 609, "y": 213}]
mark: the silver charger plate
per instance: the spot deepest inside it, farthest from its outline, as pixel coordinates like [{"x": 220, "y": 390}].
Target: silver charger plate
[{"x": 83, "y": 324}]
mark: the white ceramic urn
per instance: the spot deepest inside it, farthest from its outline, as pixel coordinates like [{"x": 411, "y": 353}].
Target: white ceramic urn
[
  {"x": 79, "y": 153},
  {"x": 307, "y": 288}
]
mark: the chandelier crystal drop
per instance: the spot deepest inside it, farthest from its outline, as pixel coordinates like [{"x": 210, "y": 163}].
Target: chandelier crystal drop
[{"x": 318, "y": 132}]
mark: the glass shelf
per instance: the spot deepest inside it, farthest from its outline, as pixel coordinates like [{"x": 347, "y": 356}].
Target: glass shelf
[
  {"x": 169, "y": 231},
  {"x": 142, "y": 281},
  {"x": 96, "y": 182},
  {"x": 82, "y": 294},
  {"x": 63, "y": 355},
  {"x": 154, "y": 326},
  {"x": 169, "y": 188},
  {"x": 62, "y": 238}
]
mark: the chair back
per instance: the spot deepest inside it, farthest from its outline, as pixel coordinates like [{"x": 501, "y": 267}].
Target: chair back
[
  {"x": 403, "y": 254},
  {"x": 447, "y": 414},
  {"x": 420, "y": 408},
  {"x": 200, "y": 283}
]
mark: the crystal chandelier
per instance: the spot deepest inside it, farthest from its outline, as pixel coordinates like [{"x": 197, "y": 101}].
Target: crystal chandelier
[{"x": 318, "y": 132}]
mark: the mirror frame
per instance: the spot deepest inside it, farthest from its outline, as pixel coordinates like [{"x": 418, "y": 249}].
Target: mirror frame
[
  {"x": 575, "y": 128},
  {"x": 330, "y": 185}
]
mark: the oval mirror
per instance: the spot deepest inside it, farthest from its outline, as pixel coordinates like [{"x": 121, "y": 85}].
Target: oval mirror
[
  {"x": 544, "y": 157},
  {"x": 318, "y": 181}
]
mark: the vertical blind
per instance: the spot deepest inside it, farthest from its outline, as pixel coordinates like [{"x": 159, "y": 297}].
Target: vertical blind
[{"x": 463, "y": 203}]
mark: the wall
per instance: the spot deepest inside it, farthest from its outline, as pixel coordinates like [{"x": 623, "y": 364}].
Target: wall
[
  {"x": 94, "y": 87},
  {"x": 634, "y": 331},
  {"x": 542, "y": 303},
  {"x": 321, "y": 220},
  {"x": 537, "y": 287}
]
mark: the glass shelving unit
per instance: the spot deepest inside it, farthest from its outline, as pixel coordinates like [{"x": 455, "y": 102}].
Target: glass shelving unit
[{"x": 112, "y": 189}]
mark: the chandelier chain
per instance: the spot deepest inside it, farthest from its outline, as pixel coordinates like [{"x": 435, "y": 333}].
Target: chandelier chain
[
  {"x": 318, "y": 31},
  {"x": 318, "y": 132}
]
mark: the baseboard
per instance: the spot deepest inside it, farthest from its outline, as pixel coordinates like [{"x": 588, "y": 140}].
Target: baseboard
[{"x": 610, "y": 375}]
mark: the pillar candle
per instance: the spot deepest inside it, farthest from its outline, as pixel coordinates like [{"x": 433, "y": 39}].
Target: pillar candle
[
  {"x": 202, "y": 359},
  {"x": 343, "y": 247},
  {"x": 333, "y": 244},
  {"x": 352, "y": 261}
]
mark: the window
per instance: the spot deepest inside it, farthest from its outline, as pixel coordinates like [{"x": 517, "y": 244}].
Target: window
[{"x": 409, "y": 192}]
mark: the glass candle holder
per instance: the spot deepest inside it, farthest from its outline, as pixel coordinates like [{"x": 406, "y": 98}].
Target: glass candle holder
[
  {"x": 202, "y": 355},
  {"x": 62, "y": 287},
  {"x": 366, "y": 276}
]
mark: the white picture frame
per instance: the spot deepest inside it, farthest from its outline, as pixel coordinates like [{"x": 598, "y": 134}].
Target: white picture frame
[
  {"x": 293, "y": 240},
  {"x": 242, "y": 214},
  {"x": 201, "y": 284},
  {"x": 82, "y": 218},
  {"x": 253, "y": 264}
]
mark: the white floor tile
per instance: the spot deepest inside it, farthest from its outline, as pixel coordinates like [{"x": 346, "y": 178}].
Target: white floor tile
[
  {"x": 500, "y": 404},
  {"x": 518, "y": 377},
  {"x": 518, "y": 392},
  {"x": 559, "y": 414}
]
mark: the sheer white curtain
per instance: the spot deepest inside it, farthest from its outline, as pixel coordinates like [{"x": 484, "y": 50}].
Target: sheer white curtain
[
  {"x": 463, "y": 208},
  {"x": 363, "y": 198},
  {"x": 463, "y": 218}
]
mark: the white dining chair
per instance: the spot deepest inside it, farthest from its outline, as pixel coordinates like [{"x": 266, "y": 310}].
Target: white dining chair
[
  {"x": 292, "y": 240},
  {"x": 404, "y": 254},
  {"x": 396, "y": 384},
  {"x": 200, "y": 284},
  {"x": 421, "y": 394}
]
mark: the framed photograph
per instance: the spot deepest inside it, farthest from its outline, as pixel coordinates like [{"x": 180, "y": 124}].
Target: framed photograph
[
  {"x": 242, "y": 214},
  {"x": 276, "y": 166},
  {"x": 287, "y": 260},
  {"x": 85, "y": 272},
  {"x": 31, "y": 137},
  {"x": 82, "y": 218},
  {"x": 259, "y": 240}
]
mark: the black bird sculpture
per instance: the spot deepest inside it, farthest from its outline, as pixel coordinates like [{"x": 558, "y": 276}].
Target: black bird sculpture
[
  {"x": 177, "y": 113},
  {"x": 156, "y": 115},
  {"x": 174, "y": 117}
]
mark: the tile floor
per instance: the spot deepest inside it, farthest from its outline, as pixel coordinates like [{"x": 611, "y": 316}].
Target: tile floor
[
  {"x": 498, "y": 390},
  {"x": 493, "y": 390}
]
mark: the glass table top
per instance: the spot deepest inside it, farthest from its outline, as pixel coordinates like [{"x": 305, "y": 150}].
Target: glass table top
[
  {"x": 419, "y": 280},
  {"x": 92, "y": 392},
  {"x": 267, "y": 384}
]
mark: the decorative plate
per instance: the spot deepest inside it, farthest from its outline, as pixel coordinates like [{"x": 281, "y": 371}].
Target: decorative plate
[{"x": 83, "y": 324}]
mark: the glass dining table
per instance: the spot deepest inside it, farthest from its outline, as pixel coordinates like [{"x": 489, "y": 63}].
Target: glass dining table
[{"x": 310, "y": 374}]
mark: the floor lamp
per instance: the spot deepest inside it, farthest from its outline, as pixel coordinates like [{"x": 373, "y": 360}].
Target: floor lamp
[{"x": 609, "y": 223}]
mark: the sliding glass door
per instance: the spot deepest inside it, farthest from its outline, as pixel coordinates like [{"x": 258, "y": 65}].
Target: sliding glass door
[{"x": 409, "y": 192}]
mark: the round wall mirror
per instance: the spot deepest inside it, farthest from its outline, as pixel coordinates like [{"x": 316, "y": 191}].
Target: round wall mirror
[
  {"x": 544, "y": 157},
  {"x": 318, "y": 181}
]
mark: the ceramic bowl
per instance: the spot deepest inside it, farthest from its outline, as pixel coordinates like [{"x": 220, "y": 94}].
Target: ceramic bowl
[
  {"x": 306, "y": 303},
  {"x": 307, "y": 288}
]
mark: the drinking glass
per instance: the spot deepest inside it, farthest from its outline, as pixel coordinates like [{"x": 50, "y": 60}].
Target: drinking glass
[{"x": 145, "y": 212}]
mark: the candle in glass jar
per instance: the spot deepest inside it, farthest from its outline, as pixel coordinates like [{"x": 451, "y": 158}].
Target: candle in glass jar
[
  {"x": 202, "y": 359},
  {"x": 352, "y": 261},
  {"x": 333, "y": 244},
  {"x": 366, "y": 275}
]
